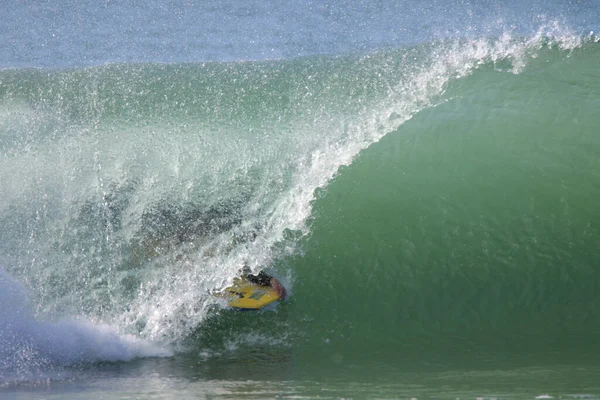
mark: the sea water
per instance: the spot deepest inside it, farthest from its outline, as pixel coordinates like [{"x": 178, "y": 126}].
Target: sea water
[{"x": 422, "y": 177}]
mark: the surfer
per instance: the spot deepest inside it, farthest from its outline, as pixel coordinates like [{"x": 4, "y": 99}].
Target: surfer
[{"x": 264, "y": 279}]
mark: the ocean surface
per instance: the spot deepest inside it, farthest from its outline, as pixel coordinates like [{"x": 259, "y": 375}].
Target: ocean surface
[{"x": 423, "y": 177}]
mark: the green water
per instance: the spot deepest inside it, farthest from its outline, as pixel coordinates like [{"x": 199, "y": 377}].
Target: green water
[
  {"x": 435, "y": 222},
  {"x": 469, "y": 233}
]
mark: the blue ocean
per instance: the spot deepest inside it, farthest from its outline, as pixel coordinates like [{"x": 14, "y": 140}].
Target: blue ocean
[{"x": 422, "y": 177}]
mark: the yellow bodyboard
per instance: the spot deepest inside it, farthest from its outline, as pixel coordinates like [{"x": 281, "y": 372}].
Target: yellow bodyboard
[{"x": 245, "y": 295}]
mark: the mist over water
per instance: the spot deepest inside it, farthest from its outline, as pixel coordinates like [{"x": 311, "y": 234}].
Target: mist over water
[{"x": 422, "y": 178}]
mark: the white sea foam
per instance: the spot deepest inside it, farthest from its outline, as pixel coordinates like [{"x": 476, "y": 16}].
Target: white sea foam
[{"x": 29, "y": 346}]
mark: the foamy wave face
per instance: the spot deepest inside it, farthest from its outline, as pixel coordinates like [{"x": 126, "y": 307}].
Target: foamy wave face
[{"x": 29, "y": 347}]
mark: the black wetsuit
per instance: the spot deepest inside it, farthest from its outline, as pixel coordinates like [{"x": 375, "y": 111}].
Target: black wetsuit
[{"x": 261, "y": 279}]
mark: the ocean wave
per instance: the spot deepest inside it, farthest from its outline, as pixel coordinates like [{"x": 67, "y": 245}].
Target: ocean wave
[{"x": 105, "y": 168}]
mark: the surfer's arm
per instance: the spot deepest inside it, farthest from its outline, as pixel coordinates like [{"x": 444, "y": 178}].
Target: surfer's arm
[{"x": 279, "y": 288}]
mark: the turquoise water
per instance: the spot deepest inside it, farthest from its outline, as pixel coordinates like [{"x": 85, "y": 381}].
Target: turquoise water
[{"x": 425, "y": 185}]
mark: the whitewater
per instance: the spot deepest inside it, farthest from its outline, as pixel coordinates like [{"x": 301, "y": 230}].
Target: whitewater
[{"x": 427, "y": 199}]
